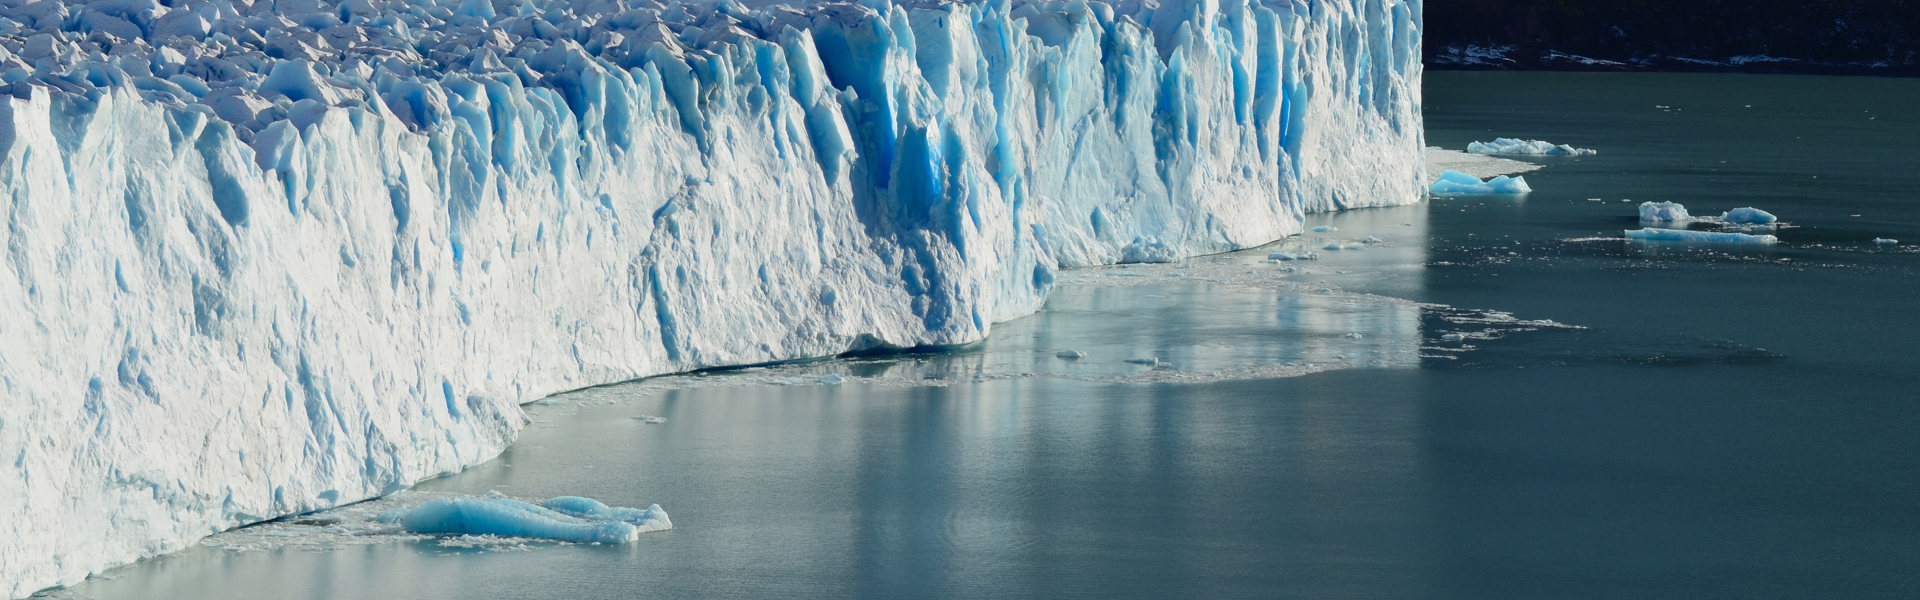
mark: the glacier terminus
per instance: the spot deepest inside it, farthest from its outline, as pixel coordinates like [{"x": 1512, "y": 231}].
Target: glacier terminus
[{"x": 270, "y": 257}]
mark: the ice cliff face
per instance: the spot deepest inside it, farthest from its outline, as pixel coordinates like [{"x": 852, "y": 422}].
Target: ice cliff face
[{"x": 270, "y": 257}]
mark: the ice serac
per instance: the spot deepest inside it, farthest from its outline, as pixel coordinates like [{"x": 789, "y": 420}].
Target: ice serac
[{"x": 269, "y": 257}]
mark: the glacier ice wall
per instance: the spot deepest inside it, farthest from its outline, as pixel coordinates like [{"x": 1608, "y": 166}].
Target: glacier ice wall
[{"x": 263, "y": 258}]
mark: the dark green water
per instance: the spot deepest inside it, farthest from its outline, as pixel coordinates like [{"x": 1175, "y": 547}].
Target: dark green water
[{"x": 1732, "y": 422}]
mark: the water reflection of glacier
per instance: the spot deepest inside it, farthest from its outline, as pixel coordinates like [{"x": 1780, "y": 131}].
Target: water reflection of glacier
[{"x": 1230, "y": 316}]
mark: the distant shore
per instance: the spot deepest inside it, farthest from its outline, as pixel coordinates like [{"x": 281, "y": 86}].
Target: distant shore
[{"x": 1493, "y": 57}]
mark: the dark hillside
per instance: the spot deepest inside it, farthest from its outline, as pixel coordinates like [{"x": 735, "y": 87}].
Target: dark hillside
[{"x": 1778, "y": 35}]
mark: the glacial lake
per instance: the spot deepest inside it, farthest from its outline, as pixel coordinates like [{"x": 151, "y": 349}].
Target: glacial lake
[{"x": 1614, "y": 419}]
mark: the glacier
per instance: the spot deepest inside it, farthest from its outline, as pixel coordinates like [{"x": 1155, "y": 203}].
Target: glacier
[{"x": 265, "y": 258}]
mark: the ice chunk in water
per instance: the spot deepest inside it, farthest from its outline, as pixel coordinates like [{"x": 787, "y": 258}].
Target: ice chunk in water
[
  {"x": 507, "y": 517},
  {"x": 1455, "y": 183},
  {"x": 1071, "y": 354},
  {"x": 1885, "y": 241},
  {"x": 1519, "y": 147},
  {"x": 1748, "y": 215},
  {"x": 1663, "y": 212},
  {"x": 651, "y": 518},
  {"x": 1652, "y": 234},
  {"x": 1324, "y": 229}
]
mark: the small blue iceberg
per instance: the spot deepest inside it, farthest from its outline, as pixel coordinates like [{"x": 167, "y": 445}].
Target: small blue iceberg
[
  {"x": 1455, "y": 183},
  {"x": 566, "y": 519},
  {"x": 1748, "y": 215},
  {"x": 1653, "y": 234}
]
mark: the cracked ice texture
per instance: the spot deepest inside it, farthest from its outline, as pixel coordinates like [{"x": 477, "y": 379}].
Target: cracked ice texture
[{"x": 271, "y": 257}]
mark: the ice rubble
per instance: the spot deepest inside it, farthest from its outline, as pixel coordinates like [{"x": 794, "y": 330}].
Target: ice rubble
[
  {"x": 566, "y": 519},
  {"x": 1519, "y": 147},
  {"x": 1652, "y": 234},
  {"x": 270, "y": 257},
  {"x": 1455, "y": 183}
]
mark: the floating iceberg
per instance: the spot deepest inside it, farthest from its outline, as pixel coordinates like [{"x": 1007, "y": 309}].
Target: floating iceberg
[
  {"x": 646, "y": 520},
  {"x": 1664, "y": 212},
  {"x": 1070, "y": 354},
  {"x": 1698, "y": 237},
  {"x": 1455, "y": 183},
  {"x": 1519, "y": 147},
  {"x": 273, "y": 257},
  {"x": 566, "y": 519},
  {"x": 1885, "y": 241},
  {"x": 1748, "y": 216}
]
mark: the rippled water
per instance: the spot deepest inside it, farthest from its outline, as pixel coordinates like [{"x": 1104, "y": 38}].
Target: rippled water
[{"x": 1497, "y": 398}]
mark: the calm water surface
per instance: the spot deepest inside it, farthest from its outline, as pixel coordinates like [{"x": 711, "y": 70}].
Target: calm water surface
[{"x": 1731, "y": 422}]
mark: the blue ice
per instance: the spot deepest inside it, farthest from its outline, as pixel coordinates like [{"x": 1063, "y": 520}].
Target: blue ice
[
  {"x": 1749, "y": 216},
  {"x": 566, "y": 519},
  {"x": 1455, "y": 183},
  {"x": 1654, "y": 234}
]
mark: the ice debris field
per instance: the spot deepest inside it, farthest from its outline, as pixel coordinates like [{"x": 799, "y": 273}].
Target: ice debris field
[{"x": 267, "y": 258}]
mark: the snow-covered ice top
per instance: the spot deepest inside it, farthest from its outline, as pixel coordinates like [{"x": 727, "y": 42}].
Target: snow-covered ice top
[
  {"x": 1441, "y": 160},
  {"x": 1519, "y": 147},
  {"x": 268, "y": 257}
]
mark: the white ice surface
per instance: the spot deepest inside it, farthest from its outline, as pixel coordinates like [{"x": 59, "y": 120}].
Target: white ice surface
[
  {"x": 1664, "y": 212},
  {"x": 265, "y": 258},
  {"x": 1441, "y": 160}
]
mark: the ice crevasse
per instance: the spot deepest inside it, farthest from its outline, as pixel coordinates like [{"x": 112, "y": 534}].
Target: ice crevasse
[{"x": 264, "y": 258}]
